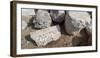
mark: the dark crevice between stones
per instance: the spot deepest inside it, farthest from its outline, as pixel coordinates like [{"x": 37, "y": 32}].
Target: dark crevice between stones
[
  {"x": 28, "y": 38},
  {"x": 31, "y": 21},
  {"x": 90, "y": 13},
  {"x": 82, "y": 40},
  {"x": 30, "y": 24}
]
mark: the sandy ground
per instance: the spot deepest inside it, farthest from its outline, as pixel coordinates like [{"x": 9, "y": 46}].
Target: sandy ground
[{"x": 66, "y": 40}]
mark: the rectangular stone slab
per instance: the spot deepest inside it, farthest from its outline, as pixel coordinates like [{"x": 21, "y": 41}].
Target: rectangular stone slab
[{"x": 44, "y": 36}]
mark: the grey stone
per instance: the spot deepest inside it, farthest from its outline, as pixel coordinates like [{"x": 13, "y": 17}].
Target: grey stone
[
  {"x": 57, "y": 15},
  {"x": 42, "y": 20},
  {"x": 44, "y": 36},
  {"x": 28, "y": 12},
  {"x": 75, "y": 21}
]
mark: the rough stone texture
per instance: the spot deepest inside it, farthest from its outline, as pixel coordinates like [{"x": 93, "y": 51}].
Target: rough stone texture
[
  {"x": 42, "y": 20},
  {"x": 27, "y": 12},
  {"x": 44, "y": 36},
  {"x": 75, "y": 21},
  {"x": 24, "y": 24},
  {"x": 57, "y": 15},
  {"x": 65, "y": 40}
]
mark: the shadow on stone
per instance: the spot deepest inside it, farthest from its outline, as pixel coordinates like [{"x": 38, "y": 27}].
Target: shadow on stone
[
  {"x": 63, "y": 29},
  {"x": 30, "y": 22},
  {"x": 28, "y": 38},
  {"x": 81, "y": 40}
]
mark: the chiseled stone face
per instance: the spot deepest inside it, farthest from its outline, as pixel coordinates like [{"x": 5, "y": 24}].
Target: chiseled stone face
[
  {"x": 42, "y": 19},
  {"x": 76, "y": 21},
  {"x": 44, "y": 36},
  {"x": 57, "y": 15}
]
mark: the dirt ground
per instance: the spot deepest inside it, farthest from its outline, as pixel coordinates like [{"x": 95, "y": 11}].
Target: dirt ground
[{"x": 66, "y": 40}]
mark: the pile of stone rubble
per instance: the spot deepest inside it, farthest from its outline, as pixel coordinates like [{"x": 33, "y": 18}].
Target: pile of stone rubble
[{"x": 47, "y": 31}]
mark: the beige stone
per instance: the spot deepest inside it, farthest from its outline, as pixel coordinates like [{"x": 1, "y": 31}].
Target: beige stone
[{"x": 44, "y": 36}]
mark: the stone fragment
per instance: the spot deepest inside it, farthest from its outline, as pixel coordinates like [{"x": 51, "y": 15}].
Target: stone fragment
[
  {"x": 75, "y": 21},
  {"x": 42, "y": 20},
  {"x": 57, "y": 15},
  {"x": 44, "y": 36},
  {"x": 28, "y": 12}
]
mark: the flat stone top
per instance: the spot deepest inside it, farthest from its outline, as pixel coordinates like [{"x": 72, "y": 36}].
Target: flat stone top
[
  {"x": 46, "y": 30},
  {"x": 79, "y": 15}
]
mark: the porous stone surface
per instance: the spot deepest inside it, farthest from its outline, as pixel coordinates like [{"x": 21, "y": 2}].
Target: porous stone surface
[
  {"x": 75, "y": 21},
  {"x": 27, "y": 12},
  {"x": 57, "y": 15},
  {"x": 24, "y": 24},
  {"x": 42, "y": 19},
  {"x": 44, "y": 36}
]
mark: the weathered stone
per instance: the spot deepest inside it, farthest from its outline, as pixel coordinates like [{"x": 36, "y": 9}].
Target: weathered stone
[
  {"x": 27, "y": 12},
  {"x": 24, "y": 24},
  {"x": 75, "y": 21},
  {"x": 57, "y": 15},
  {"x": 42, "y": 20},
  {"x": 45, "y": 36}
]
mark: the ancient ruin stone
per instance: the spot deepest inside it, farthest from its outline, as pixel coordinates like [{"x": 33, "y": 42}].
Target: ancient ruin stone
[
  {"x": 76, "y": 21},
  {"x": 44, "y": 36},
  {"x": 42, "y": 20},
  {"x": 57, "y": 15},
  {"x": 27, "y": 12}
]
